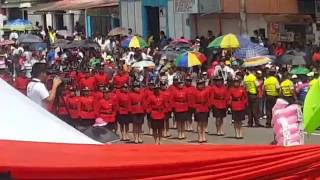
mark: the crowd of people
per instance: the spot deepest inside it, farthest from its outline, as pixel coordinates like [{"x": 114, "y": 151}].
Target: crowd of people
[{"x": 99, "y": 87}]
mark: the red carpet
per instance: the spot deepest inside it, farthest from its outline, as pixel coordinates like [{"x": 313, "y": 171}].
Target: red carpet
[{"x": 27, "y": 160}]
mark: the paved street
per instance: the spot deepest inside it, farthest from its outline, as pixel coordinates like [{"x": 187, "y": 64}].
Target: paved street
[{"x": 260, "y": 136}]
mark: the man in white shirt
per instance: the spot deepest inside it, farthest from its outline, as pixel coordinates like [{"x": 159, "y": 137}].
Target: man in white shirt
[
  {"x": 37, "y": 90},
  {"x": 225, "y": 71}
]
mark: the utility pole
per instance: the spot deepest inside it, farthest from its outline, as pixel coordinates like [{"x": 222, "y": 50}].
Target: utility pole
[{"x": 243, "y": 18}]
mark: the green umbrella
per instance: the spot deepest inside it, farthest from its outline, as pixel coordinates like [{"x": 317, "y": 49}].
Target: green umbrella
[
  {"x": 300, "y": 71},
  {"x": 311, "y": 109}
]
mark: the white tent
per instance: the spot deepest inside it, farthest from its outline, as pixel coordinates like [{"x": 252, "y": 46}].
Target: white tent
[{"x": 23, "y": 120}]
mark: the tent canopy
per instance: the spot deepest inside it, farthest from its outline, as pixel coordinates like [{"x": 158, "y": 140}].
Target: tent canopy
[{"x": 22, "y": 119}]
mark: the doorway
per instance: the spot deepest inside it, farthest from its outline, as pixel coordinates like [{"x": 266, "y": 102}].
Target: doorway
[{"x": 153, "y": 23}]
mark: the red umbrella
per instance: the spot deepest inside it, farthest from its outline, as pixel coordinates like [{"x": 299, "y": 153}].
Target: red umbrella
[
  {"x": 316, "y": 57},
  {"x": 6, "y": 42}
]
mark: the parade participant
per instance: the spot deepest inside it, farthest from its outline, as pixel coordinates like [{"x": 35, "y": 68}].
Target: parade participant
[
  {"x": 138, "y": 107},
  {"x": 158, "y": 106},
  {"x": 238, "y": 101},
  {"x": 172, "y": 88},
  {"x": 219, "y": 95},
  {"x": 287, "y": 89},
  {"x": 120, "y": 79},
  {"x": 181, "y": 107},
  {"x": 73, "y": 105},
  {"x": 98, "y": 94},
  {"x": 148, "y": 92},
  {"x": 260, "y": 95},
  {"x": 314, "y": 79},
  {"x": 101, "y": 78},
  {"x": 107, "y": 108},
  {"x": 89, "y": 81},
  {"x": 123, "y": 116},
  {"x": 87, "y": 108},
  {"x": 21, "y": 83},
  {"x": 201, "y": 105},
  {"x": 271, "y": 87},
  {"x": 165, "y": 93},
  {"x": 251, "y": 83},
  {"x": 190, "y": 93}
]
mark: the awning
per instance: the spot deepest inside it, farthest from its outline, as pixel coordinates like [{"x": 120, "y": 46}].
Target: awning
[
  {"x": 65, "y": 5},
  {"x": 289, "y": 19}
]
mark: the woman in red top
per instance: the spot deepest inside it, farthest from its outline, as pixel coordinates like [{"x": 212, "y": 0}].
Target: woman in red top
[
  {"x": 87, "y": 108},
  {"x": 166, "y": 94},
  {"x": 123, "y": 116},
  {"x": 201, "y": 105},
  {"x": 219, "y": 97},
  {"x": 181, "y": 107},
  {"x": 137, "y": 111},
  {"x": 158, "y": 114},
  {"x": 73, "y": 105},
  {"x": 238, "y": 101},
  {"x": 120, "y": 79},
  {"x": 107, "y": 108}
]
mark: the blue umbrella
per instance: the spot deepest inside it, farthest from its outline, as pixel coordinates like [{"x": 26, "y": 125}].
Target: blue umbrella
[{"x": 250, "y": 50}]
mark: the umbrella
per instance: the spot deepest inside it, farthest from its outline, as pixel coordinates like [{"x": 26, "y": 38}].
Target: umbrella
[
  {"x": 256, "y": 61},
  {"x": 83, "y": 44},
  {"x": 29, "y": 38},
  {"x": 19, "y": 25},
  {"x": 311, "y": 109},
  {"x": 101, "y": 134},
  {"x": 64, "y": 33},
  {"x": 118, "y": 31},
  {"x": 181, "y": 40},
  {"x": 190, "y": 59},
  {"x": 300, "y": 71},
  {"x": 252, "y": 50},
  {"x": 228, "y": 41},
  {"x": 293, "y": 57},
  {"x": 143, "y": 64},
  {"x": 38, "y": 46},
  {"x": 133, "y": 42},
  {"x": 6, "y": 42},
  {"x": 61, "y": 43}
]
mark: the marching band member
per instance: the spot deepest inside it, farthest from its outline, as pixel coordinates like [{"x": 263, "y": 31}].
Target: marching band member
[
  {"x": 87, "y": 108},
  {"x": 73, "y": 105},
  {"x": 238, "y": 101},
  {"x": 190, "y": 93},
  {"x": 123, "y": 116}
]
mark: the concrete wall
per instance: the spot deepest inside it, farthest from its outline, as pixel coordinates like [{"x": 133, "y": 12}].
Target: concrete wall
[
  {"x": 131, "y": 15},
  {"x": 179, "y": 23},
  {"x": 256, "y": 21}
]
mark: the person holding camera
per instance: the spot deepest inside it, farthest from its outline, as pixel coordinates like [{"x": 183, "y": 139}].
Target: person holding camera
[{"x": 36, "y": 89}]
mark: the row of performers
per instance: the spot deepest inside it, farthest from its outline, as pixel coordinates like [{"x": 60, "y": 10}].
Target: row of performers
[{"x": 157, "y": 102}]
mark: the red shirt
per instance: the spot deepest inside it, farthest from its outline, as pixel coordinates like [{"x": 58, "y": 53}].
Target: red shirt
[
  {"x": 168, "y": 97},
  {"x": 191, "y": 90},
  {"x": 148, "y": 93},
  {"x": 219, "y": 97},
  {"x": 120, "y": 80},
  {"x": 89, "y": 82},
  {"x": 202, "y": 100},
  {"x": 238, "y": 98},
  {"x": 158, "y": 105},
  {"x": 98, "y": 95},
  {"x": 6, "y": 78},
  {"x": 73, "y": 105},
  {"x": 101, "y": 78},
  {"x": 138, "y": 103},
  {"x": 107, "y": 109},
  {"x": 180, "y": 100},
  {"x": 87, "y": 109},
  {"x": 124, "y": 103},
  {"x": 21, "y": 84}
]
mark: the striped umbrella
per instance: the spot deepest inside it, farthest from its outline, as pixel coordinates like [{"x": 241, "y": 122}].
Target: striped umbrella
[
  {"x": 256, "y": 61},
  {"x": 133, "y": 42},
  {"x": 252, "y": 50},
  {"x": 190, "y": 59}
]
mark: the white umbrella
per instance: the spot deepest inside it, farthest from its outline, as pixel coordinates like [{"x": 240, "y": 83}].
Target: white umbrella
[{"x": 143, "y": 64}]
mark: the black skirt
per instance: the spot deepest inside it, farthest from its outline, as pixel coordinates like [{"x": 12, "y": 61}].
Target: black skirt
[
  {"x": 201, "y": 116},
  {"x": 181, "y": 116},
  {"x": 124, "y": 119},
  {"x": 157, "y": 124},
  {"x": 138, "y": 118},
  {"x": 239, "y": 115},
  {"x": 220, "y": 113}
]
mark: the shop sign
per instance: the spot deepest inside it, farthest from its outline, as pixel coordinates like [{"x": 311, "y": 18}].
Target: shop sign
[{"x": 186, "y": 6}]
